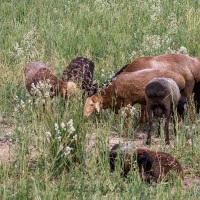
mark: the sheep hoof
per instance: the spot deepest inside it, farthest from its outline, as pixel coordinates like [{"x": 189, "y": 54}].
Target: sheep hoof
[
  {"x": 124, "y": 133},
  {"x": 148, "y": 142},
  {"x": 167, "y": 142}
]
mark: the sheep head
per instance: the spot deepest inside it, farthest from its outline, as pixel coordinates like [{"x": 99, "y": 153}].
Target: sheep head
[
  {"x": 69, "y": 88},
  {"x": 92, "y": 103}
]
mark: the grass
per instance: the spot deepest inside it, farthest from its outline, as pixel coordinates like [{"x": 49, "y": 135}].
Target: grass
[{"x": 110, "y": 33}]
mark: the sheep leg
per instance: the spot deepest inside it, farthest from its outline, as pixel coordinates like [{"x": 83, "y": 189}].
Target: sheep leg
[
  {"x": 127, "y": 120},
  {"x": 144, "y": 115},
  {"x": 167, "y": 115},
  {"x": 174, "y": 122},
  {"x": 150, "y": 127}
]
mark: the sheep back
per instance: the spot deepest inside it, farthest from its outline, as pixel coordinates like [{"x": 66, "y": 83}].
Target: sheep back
[
  {"x": 38, "y": 71},
  {"x": 152, "y": 165},
  {"x": 131, "y": 85},
  {"x": 162, "y": 88},
  {"x": 162, "y": 164},
  {"x": 80, "y": 70}
]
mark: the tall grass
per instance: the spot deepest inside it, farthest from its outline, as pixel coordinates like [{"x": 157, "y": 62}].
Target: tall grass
[{"x": 111, "y": 33}]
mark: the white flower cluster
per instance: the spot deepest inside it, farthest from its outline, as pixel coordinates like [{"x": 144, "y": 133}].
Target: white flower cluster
[
  {"x": 61, "y": 133},
  {"x": 41, "y": 91},
  {"x": 67, "y": 151},
  {"x": 182, "y": 50},
  {"x": 131, "y": 109},
  {"x": 155, "y": 10},
  {"x": 71, "y": 128},
  {"x": 21, "y": 104},
  {"x": 27, "y": 50},
  {"x": 151, "y": 43}
]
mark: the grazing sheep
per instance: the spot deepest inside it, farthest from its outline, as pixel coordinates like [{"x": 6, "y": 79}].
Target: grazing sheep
[
  {"x": 125, "y": 89},
  {"x": 162, "y": 96},
  {"x": 152, "y": 166},
  {"x": 182, "y": 107},
  {"x": 37, "y": 72},
  {"x": 187, "y": 66},
  {"x": 80, "y": 71},
  {"x": 196, "y": 92}
]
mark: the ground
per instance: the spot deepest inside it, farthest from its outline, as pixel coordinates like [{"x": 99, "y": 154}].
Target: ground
[{"x": 7, "y": 148}]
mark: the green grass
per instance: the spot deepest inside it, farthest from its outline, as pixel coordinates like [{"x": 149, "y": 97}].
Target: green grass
[{"x": 110, "y": 33}]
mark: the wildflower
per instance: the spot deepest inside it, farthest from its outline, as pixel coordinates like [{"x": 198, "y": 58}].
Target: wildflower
[
  {"x": 59, "y": 138},
  {"x": 63, "y": 126},
  {"x": 67, "y": 150},
  {"x": 70, "y": 126}
]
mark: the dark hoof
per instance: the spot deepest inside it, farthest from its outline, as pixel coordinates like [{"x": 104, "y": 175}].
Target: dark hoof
[
  {"x": 148, "y": 142},
  {"x": 167, "y": 142}
]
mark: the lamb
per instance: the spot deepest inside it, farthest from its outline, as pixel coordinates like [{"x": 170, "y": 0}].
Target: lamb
[
  {"x": 80, "y": 70},
  {"x": 162, "y": 97},
  {"x": 153, "y": 166},
  {"x": 37, "y": 72},
  {"x": 187, "y": 66},
  {"x": 127, "y": 88}
]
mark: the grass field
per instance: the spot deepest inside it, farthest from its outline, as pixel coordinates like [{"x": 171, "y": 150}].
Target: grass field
[{"x": 54, "y": 155}]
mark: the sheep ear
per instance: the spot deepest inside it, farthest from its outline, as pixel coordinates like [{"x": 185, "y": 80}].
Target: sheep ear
[
  {"x": 97, "y": 106},
  {"x": 144, "y": 161},
  {"x": 185, "y": 107}
]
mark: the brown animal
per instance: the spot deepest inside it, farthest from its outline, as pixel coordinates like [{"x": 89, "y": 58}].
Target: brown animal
[
  {"x": 127, "y": 88},
  {"x": 152, "y": 166},
  {"x": 80, "y": 71},
  {"x": 162, "y": 96},
  {"x": 36, "y": 72},
  {"x": 187, "y": 66}
]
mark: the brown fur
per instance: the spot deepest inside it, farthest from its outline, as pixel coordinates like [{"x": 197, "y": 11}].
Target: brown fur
[
  {"x": 37, "y": 71},
  {"x": 152, "y": 166},
  {"x": 187, "y": 66},
  {"x": 80, "y": 71},
  {"x": 127, "y": 88}
]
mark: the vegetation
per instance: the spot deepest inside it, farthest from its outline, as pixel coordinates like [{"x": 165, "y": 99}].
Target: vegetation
[{"x": 58, "y": 154}]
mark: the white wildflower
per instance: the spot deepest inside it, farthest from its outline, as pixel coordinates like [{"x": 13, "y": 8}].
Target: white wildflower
[
  {"x": 59, "y": 138},
  {"x": 67, "y": 150},
  {"x": 22, "y": 103},
  {"x": 63, "y": 126},
  {"x": 70, "y": 126}
]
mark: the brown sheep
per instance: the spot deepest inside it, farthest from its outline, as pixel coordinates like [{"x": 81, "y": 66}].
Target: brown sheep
[
  {"x": 127, "y": 88},
  {"x": 187, "y": 66},
  {"x": 80, "y": 71},
  {"x": 153, "y": 166},
  {"x": 162, "y": 96},
  {"x": 36, "y": 72}
]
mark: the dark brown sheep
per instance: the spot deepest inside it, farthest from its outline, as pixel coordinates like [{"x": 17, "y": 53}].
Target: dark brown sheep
[
  {"x": 36, "y": 72},
  {"x": 80, "y": 71},
  {"x": 127, "y": 88},
  {"x": 162, "y": 97},
  {"x": 152, "y": 166}
]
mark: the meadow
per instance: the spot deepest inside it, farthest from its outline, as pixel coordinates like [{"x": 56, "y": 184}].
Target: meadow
[{"x": 59, "y": 154}]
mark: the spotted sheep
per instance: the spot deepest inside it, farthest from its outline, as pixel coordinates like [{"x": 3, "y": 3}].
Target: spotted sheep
[
  {"x": 162, "y": 97},
  {"x": 153, "y": 166},
  {"x": 127, "y": 88},
  {"x": 37, "y": 72},
  {"x": 80, "y": 71}
]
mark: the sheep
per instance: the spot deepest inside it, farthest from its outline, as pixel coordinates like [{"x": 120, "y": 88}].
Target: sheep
[
  {"x": 162, "y": 96},
  {"x": 153, "y": 166},
  {"x": 127, "y": 88},
  {"x": 37, "y": 72},
  {"x": 80, "y": 70},
  {"x": 187, "y": 66}
]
